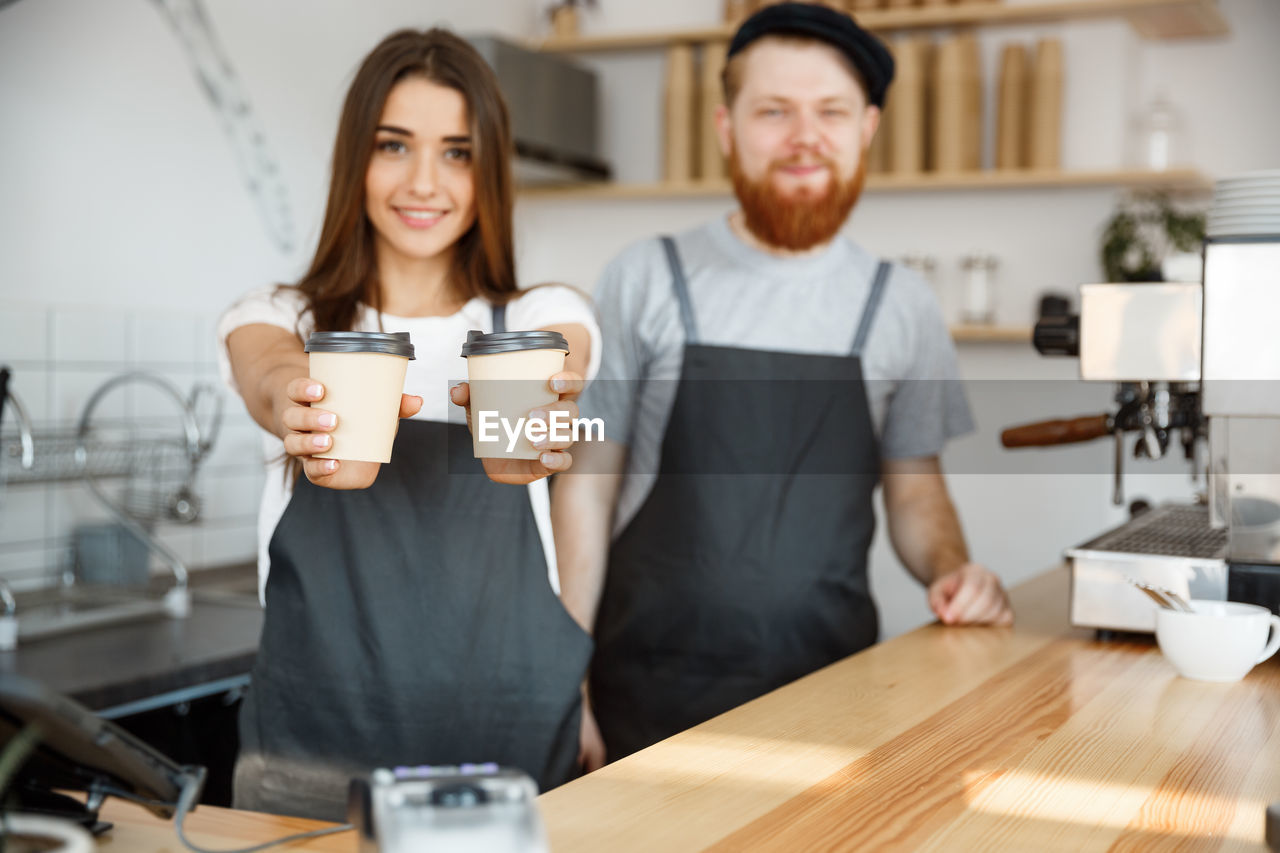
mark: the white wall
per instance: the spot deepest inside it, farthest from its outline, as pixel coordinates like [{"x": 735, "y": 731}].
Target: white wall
[
  {"x": 120, "y": 189},
  {"x": 120, "y": 185}
]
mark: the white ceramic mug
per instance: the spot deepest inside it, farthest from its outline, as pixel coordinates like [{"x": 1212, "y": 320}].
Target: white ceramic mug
[{"x": 1220, "y": 641}]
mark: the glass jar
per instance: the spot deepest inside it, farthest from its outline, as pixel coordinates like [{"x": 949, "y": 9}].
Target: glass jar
[
  {"x": 926, "y": 266},
  {"x": 1159, "y": 136},
  {"x": 979, "y": 302}
]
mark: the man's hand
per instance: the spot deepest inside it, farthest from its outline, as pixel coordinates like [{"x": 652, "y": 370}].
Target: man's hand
[
  {"x": 590, "y": 743},
  {"x": 970, "y": 595},
  {"x": 554, "y": 457}
]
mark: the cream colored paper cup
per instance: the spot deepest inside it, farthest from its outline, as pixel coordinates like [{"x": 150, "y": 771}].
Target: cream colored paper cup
[
  {"x": 363, "y": 378},
  {"x": 509, "y": 375}
]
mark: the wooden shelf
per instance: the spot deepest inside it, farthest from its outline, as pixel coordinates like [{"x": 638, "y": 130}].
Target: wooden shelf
[
  {"x": 1155, "y": 19},
  {"x": 991, "y": 334},
  {"x": 1174, "y": 180},
  {"x": 1182, "y": 180}
]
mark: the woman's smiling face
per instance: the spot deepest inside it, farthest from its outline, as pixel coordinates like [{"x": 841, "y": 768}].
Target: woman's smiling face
[{"x": 419, "y": 187}]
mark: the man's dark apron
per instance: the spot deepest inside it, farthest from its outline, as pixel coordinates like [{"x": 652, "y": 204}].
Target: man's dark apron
[
  {"x": 746, "y": 567},
  {"x": 408, "y": 623}
]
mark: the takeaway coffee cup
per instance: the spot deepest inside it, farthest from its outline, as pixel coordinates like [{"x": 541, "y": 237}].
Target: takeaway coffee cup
[
  {"x": 363, "y": 378},
  {"x": 509, "y": 375},
  {"x": 1220, "y": 641}
]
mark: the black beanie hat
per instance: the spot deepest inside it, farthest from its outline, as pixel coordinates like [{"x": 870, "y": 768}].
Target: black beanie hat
[{"x": 867, "y": 53}]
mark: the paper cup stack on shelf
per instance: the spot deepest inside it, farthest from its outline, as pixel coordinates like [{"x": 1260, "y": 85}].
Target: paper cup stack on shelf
[
  {"x": 711, "y": 163},
  {"x": 956, "y": 138},
  {"x": 1246, "y": 205},
  {"x": 933, "y": 118},
  {"x": 1044, "y": 133},
  {"x": 692, "y": 93},
  {"x": 680, "y": 155},
  {"x": 1029, "y": 106},
  {"x": 1011, "y": 108}
]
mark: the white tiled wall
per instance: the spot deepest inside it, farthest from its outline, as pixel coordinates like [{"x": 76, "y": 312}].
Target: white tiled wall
[{"x": 59, "y": 356}]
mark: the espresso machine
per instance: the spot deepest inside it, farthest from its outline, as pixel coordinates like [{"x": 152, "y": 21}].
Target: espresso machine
[{"x": 1196, "y": 367}]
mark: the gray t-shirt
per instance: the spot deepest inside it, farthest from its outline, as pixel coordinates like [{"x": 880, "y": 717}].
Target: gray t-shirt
[{"x": 743, "y": 297}]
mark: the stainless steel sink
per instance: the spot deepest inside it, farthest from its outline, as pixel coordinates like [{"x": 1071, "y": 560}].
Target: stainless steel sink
[{"x": 63, "y": 610}]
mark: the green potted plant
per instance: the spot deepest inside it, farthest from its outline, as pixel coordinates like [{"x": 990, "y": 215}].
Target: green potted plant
[{"x": 1143, "y": 232}]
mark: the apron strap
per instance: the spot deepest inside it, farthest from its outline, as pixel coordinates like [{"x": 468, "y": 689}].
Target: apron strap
[
  {"x": 499, "y": 317},
  {"x": 869, "y": 309},
  {"x": 681, "y": 288}
]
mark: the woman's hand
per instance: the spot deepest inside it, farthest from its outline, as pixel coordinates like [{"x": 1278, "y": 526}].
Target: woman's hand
[
  {"x": 307, "y": 432},
  {"x": 555, "y": 456}
]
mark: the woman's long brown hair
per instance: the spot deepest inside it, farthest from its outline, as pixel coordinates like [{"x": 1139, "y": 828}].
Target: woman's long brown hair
[{"x": 344, "y": 271}]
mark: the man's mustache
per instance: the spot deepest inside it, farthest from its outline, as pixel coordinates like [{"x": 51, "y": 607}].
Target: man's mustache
[{"x": 801, "y": 162}]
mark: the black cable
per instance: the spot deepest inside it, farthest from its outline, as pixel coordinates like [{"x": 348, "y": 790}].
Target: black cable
[
  {"x": 20, "y": 746},
  {"x": 4, "y": 389},
  {"x": 186, "y": 801},
  {"x": 24, "y": 742}
]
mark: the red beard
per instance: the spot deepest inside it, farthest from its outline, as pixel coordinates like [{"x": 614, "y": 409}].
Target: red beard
[{"x": 799, "y": 221}]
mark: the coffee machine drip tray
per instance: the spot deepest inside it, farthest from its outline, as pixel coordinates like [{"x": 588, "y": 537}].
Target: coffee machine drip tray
[
  {"x": 1172, "y": 530},
  {"x": 1171, "y": 546}
]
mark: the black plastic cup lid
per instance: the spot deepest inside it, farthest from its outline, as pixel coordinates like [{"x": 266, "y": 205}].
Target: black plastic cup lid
[
  {"x": 386, "y": 343},
  {"x": 478, "y": 343}
]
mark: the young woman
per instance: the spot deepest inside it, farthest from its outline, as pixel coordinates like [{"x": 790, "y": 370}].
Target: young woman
[{"x": 412, "y": 614}]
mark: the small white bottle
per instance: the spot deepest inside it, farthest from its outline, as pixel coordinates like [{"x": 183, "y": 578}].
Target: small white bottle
[
  {"x": 979, "y": 289},
  {"x": 1160, "y": 136}
]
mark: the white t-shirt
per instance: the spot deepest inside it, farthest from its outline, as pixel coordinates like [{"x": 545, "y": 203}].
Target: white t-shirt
[{"x": 437, "y": 366}]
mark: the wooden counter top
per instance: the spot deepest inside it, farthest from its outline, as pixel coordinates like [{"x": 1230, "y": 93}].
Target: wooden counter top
[{"x": 1032, "y": 738}]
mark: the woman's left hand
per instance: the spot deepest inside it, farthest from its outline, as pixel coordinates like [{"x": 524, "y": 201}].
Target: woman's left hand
[{"x": 555, "y": 456}]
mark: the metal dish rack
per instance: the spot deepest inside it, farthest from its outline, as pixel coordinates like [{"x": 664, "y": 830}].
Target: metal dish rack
[{"x": 140, "y": 473}]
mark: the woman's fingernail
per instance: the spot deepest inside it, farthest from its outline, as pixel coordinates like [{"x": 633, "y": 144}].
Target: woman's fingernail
[
  {"x": 330, "y": 465},
  {"x": 320, "y": 440},
  {"x": 559, "y": 385},
  {"x": 328, "y": 419},
  {"x": 316, "y": 391},
  {"x": 548, "y": 459},
  {"x": 538, "y": 415}
]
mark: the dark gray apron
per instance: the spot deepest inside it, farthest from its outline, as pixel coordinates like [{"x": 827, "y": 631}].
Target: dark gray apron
[
  {"x": 408, "y": 623},
  {"x": 746, "y": 567}
]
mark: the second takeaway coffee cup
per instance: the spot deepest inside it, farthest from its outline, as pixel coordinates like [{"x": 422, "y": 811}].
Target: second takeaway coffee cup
[
  {"x": 363, "y": 378},
  {"x": 509, "y": 375}
]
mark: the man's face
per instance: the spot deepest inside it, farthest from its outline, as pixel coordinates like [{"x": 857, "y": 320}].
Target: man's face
[{"x": 796, "y": 134}]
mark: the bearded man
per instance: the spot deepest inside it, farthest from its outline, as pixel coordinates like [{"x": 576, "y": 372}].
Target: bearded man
[{"x": 761, "y": 376}]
